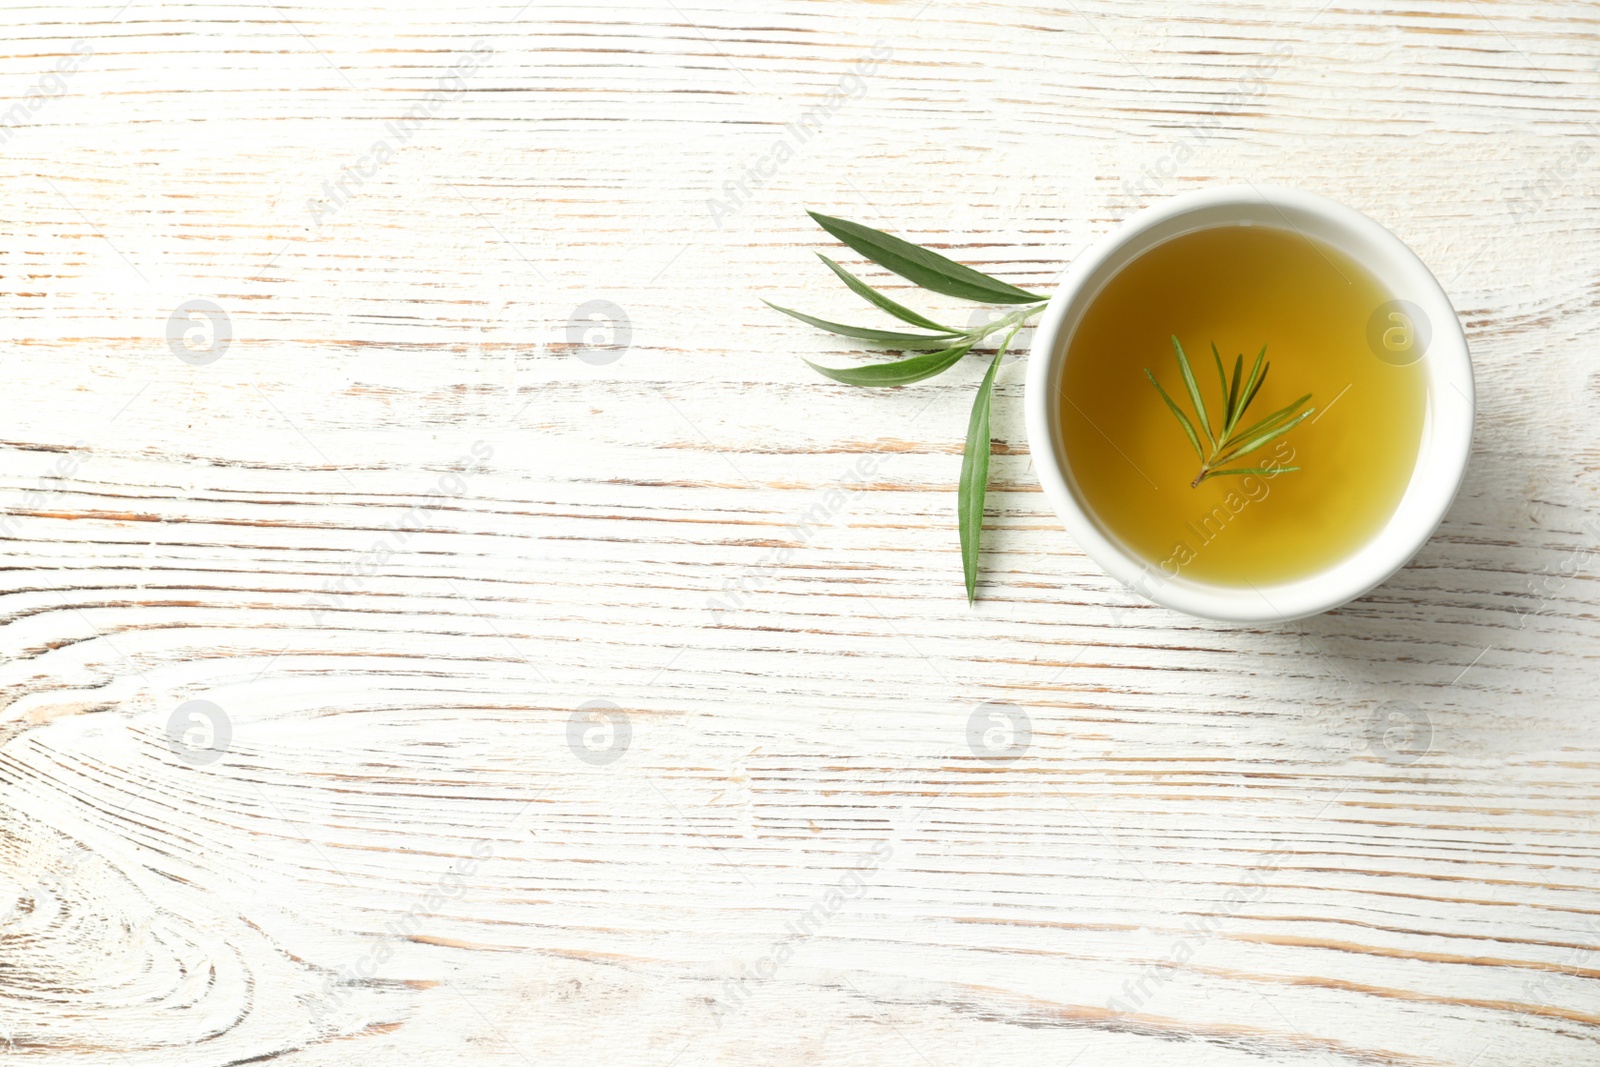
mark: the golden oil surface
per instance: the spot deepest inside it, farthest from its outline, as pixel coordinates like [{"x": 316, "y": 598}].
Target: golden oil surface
[{"x": 1241, "y": 287}]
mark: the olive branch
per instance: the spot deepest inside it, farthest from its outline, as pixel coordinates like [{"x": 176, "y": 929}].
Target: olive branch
[{"x": 939, "y": 349}]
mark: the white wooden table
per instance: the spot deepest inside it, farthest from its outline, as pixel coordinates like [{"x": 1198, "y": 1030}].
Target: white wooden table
[{"x": 478, "y": 420}]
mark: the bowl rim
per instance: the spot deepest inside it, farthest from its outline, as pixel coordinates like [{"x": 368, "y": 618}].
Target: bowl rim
[{"x": 1442, "y": 456}]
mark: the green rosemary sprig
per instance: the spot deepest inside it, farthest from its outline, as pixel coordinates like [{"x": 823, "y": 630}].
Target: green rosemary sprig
[
  {"x": 940, "y": 349},
  {"x": 1227, "y": 441}
]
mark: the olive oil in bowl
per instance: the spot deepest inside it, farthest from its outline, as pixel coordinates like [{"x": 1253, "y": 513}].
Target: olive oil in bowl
[{"x": 1240, "y": 287}]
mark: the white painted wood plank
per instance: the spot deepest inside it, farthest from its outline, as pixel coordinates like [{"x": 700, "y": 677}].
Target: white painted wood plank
[{"x": 399, "y": 531}]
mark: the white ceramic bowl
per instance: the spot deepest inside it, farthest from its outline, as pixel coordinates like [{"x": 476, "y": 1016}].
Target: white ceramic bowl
[{"x": 1446, "y": 435}]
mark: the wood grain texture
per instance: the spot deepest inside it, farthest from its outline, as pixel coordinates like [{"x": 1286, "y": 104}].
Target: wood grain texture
[{"x": 411, "y": 521}]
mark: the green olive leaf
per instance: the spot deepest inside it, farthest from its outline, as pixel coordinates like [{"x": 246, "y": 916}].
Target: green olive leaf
[
  {"x": 877, "y": 299},
  {"x": 923, "y": 266},
  {"x": 864, "y": 333},
  {"x": 900, "y": 372},
  {"x": 974, "y": 485}
]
